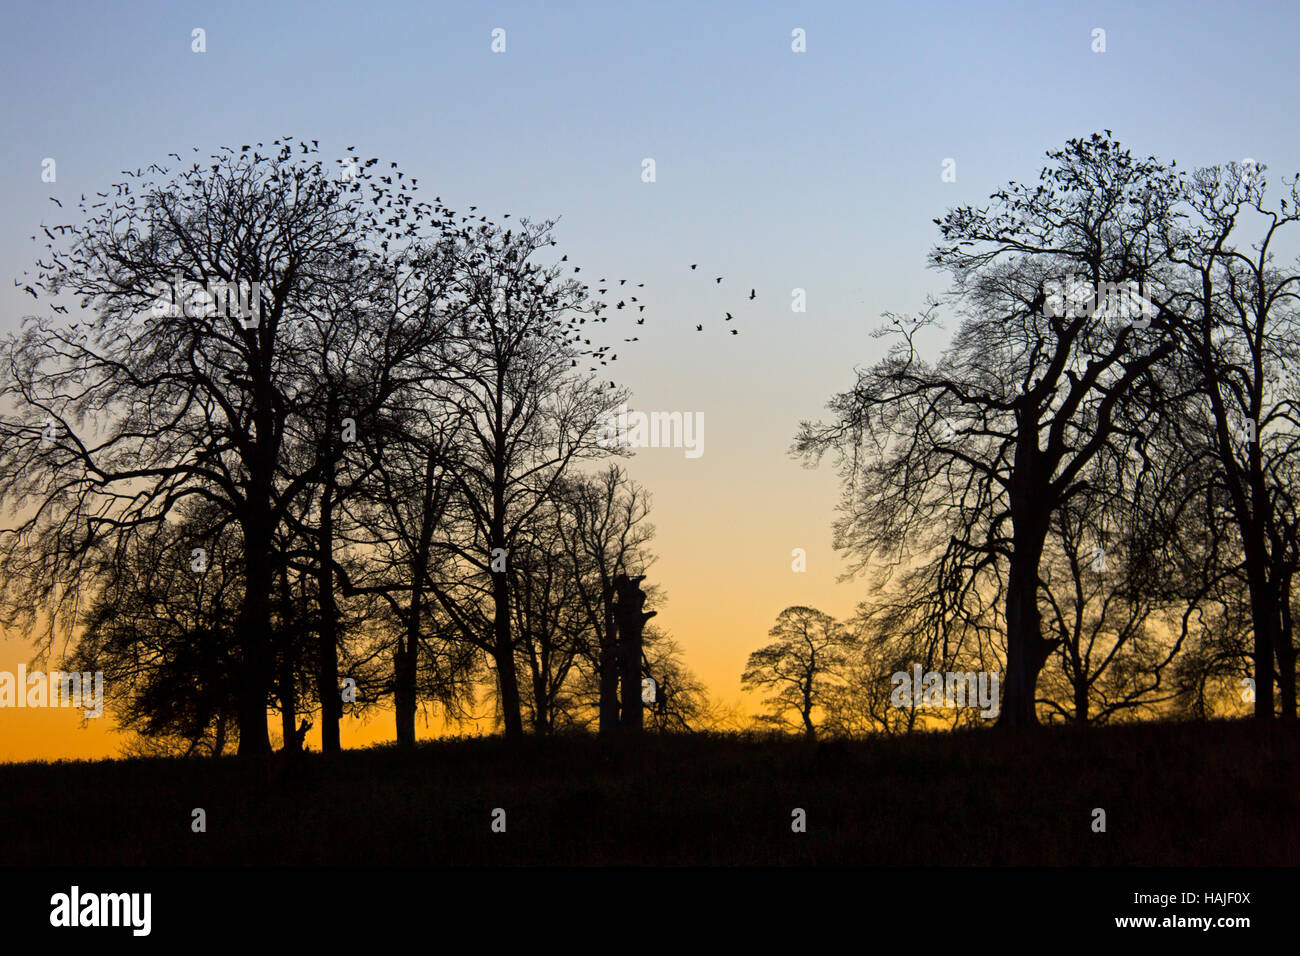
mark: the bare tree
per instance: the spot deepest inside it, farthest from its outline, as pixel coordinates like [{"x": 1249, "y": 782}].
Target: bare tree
[
  {"x": 115, "y": 421},
  {"x": 530, "y": 414},
  {"x": 548, "y": 619},
  {"x": 158, "y": 627},
  {"x": 605, "y": 533},
  {"x": 800, "y": 666},
  {"x": 964, "y": 461},
  {"x": 1238, "y": 329}
]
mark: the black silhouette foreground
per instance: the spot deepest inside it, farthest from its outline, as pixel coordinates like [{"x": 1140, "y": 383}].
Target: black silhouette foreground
[{"x": 1194, "y": 795}]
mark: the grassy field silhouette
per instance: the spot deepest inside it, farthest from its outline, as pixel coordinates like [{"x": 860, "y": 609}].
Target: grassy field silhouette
[{"x": 1217, "y": 794}]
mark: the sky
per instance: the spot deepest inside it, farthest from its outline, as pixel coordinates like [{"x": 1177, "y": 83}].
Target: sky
[{"x": 778, "y": 170}]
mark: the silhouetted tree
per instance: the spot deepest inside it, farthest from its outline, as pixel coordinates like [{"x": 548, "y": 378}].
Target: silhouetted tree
[
  {"x": 368, "y": 348},
  {"x": 159, "y": 628},
  {"x": 548, "y": 619},
  {"x": 115, "y": 421},
  {"x": 1238, "y": 330},
  {"x": 967, "y": 459},
  {"x": 802, "y": 665},
  {"x": 682, "y": 702},
  {"x": 530, "y": 414},
  {"x": 605, "y": 533},
  {"x": 402, "y": 512}
]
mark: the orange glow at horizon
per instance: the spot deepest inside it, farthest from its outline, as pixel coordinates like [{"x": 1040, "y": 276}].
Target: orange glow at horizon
[{"x": 724, "y": 567}]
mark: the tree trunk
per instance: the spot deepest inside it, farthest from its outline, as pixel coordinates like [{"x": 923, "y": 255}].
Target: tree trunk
[
  {"x": 1285, "y": 649},
  {"x": 502, "y": 639},
  {"x": 541, "y": 707},
  {"x": 1265, "y": 619},
  {"x": 631, "y": 620},
  {"x": 405, "y": 662},
  {"x": 219, "y": 741},
  {"x": 288, "y": 704},
  {"x": 1081, "y": 699},
  {"x": 1027, "y": 651},
  {"x": 254, "y": 629},
  {"x": 404, "y": 665},
  {"x": 406, "y": 658},
  {"x": 609, "y": 670},
  {"x": 633, "y": 711},
  {"x": 1286, "y": 677},
  {"x": 504, "y": 656},
  {"x": 327, "y": 650}
]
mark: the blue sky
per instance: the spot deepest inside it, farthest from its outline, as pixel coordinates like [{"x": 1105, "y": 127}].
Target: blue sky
[{"x": 778, "y": 170}]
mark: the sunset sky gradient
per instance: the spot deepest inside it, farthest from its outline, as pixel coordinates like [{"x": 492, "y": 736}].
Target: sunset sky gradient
[{"x": 777, "y": 170}]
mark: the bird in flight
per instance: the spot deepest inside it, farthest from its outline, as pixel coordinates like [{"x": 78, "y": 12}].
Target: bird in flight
[
  {"x": 56, "y": 202},
  {"x": 693, "y": 265},
  {"x": 718, "y": 280},
  {"x": 698, "y": 328},
  {"x": 753, "y": 294},
  {"x": 729, "y": 316},
  {"x": 734, "y": 332}
]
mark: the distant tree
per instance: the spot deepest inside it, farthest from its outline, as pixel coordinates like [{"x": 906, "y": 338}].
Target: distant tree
[
  {"x": 682, "y": 702},
  {"x": 801, "y": 666},
  {"x": 897, "y": 632},
  {"x": 1214, "y": 674}
]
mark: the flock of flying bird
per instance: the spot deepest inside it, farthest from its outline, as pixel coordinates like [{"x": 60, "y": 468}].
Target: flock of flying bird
[
  {"x": 623, "y": 303},
  {"x": 718, "y": 279},
  {"x": 398, "y": 206}
]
